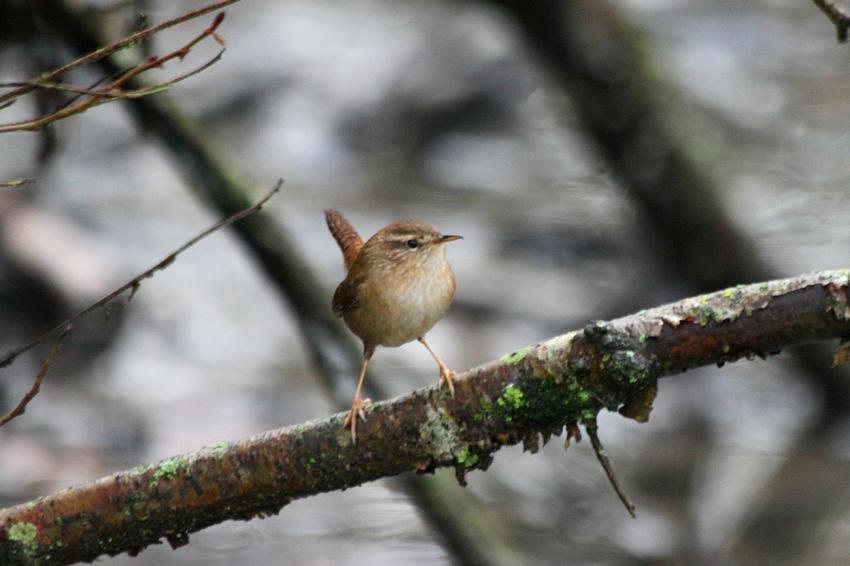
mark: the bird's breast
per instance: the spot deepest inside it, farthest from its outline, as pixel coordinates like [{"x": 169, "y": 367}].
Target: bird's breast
[{"x": 403, "y": 306}]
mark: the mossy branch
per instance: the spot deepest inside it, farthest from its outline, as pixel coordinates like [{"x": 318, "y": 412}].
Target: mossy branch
[{"x": 528, "y": 394}]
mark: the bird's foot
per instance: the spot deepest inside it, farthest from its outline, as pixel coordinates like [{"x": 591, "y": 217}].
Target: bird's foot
[
  {"x": 447, "y": 377},
  {"x": 358, "y": 406}
]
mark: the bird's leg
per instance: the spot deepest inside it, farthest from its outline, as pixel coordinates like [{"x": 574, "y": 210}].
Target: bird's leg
[
  {"x": 446, "y": 375},
  {"x": 358, "y": 403}
]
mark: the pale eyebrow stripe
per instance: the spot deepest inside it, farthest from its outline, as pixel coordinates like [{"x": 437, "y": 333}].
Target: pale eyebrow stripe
[{"x": 403, "y": 237}]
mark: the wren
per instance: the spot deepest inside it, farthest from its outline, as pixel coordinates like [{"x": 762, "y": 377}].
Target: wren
[{"x": 399, "y": 284}]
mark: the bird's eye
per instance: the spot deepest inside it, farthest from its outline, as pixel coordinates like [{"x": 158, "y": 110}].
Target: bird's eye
[{"x": 413, "y": 244}]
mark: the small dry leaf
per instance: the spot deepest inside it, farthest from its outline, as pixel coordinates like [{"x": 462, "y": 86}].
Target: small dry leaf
[
  {"x": 639, "y": 406},
  {"x": 841, "y": 355}
]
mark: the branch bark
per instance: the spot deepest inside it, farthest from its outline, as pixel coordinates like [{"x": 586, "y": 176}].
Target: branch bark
[{"x": 528, "y": 394}]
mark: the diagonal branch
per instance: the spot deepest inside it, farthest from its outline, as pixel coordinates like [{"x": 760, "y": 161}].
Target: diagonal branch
[
  {"x": 133, "y": 284},
  {"x": 39, "y": 379},
  {"x": 601, "y": 454},
  {"x": 531, "y": 392},
  {"x": 839, "y": 18}
]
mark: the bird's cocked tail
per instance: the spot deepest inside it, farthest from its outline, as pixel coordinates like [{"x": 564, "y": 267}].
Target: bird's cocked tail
[{"x": 345, "y": 235}]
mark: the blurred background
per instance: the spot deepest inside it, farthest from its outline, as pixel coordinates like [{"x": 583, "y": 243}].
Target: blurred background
[{"x": 653, "y": 150}]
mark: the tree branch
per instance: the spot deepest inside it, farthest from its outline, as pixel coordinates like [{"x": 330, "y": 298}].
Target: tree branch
[
  {"x": 837, "y": 16},
  {"x": 107, "y": 50},
  {"x": 133, "y": 284},
  {"x": 90, "y": 97},
  {"x": 591, "y": 427},
  {"x": 39, "y": 379},
  {"x": 531, "y": 392}
]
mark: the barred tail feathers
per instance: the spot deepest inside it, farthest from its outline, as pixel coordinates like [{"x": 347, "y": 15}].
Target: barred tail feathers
[{"x": 345, "y": 235}]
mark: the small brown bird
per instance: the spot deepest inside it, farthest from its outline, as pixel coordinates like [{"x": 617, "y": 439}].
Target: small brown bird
[{"x": 398, "y": 286}]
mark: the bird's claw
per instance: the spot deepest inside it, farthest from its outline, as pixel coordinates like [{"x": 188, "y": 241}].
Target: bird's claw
[
  {"x": 447, "y": 377},
  {"x": 358, "y": 406}
]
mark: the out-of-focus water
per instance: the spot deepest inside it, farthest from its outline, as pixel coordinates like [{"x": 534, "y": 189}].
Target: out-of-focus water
[{"x": 437, "y": 111}]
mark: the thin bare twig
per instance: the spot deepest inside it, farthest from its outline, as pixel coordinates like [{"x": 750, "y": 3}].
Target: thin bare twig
[
  {"x": 133, "y": 284},
  {"x": 839, "y": 18},
  {"x": 47, "y": 85},
  {"x": 113, "y": 47},
  {"x": 109, "y": 93},
  {"x": 602, "y": 456},
  {"x": 117, "y": 94},
  {"x": 36, "y": 387}
]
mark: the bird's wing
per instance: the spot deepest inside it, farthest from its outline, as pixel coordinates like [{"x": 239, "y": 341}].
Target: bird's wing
[{"x": 345, "y": 297}]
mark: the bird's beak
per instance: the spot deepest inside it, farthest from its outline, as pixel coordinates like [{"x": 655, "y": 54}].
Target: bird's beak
[{"x": 449, "y": 238}]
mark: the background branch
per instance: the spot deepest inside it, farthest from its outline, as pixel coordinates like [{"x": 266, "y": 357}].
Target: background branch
[
  {"x": 531, "y": 392},
  {"x": 39, "y": 379},
  {"x": 837, "y": 16},
  {"x": 109, "y": 93},
  {"x": 107, "y": 50},
  {"x": 133, "y": 284}
]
